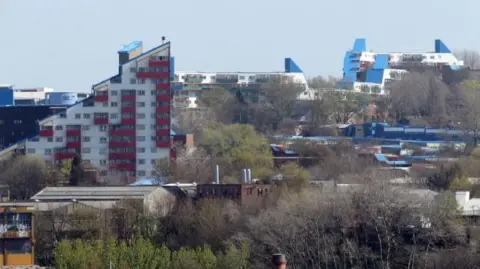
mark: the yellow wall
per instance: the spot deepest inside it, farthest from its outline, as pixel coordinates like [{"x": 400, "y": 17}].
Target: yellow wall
[{"x": 18, "y": 259}]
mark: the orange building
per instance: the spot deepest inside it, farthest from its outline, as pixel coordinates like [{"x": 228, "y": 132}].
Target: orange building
[{"x": 16, "y": 234}]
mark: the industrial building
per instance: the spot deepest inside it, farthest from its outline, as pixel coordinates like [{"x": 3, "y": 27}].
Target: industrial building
[
  {"x": 124, "y": 128},
  {"x": 187, "y": 86},
  {"x": 371, "y": 72}
]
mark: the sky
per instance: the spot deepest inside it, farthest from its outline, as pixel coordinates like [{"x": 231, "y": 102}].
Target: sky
[{"x": 70, "y": 45}]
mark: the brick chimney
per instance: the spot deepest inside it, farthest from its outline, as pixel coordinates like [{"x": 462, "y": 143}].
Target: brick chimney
[{"x": 279, "y": 261}]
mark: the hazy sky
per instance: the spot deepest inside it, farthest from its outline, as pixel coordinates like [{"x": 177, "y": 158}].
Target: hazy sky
[{"x": 71, "y": 44}]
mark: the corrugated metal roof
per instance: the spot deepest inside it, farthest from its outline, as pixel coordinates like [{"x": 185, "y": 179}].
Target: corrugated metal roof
[{"x": 94, "y": 193}]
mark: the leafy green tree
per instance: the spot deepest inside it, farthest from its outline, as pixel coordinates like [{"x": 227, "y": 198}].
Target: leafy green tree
[
  {"x": 234, "y": 258},
  {"x": 235, "y": 147},
  {"x": 295, "y": 176}
]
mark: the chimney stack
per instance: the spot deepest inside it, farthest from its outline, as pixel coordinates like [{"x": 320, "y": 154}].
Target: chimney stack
[
  {"x": 249, "y": 175},
  {"x": 279, "y": 261},
  {"x": 217, "y": 174}
]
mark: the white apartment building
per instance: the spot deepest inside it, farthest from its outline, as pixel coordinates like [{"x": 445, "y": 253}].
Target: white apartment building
[{"x": 124, "y": 128}]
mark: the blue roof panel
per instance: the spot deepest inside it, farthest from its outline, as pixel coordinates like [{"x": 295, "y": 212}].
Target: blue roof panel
[{"x": 131, "y": 47}]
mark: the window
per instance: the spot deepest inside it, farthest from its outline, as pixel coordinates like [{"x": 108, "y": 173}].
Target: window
[
  {"x": 59, "y": 139},
  {"x": 103, "y": 173},
  {"x": 49, "y": 139},
  {"x": 154, "y": 115},
  {"x": 133, "y": 70},
  {"x": 18, "y": 246},
  {"x": 105, "y": 104},
  {"x": 103, "y": 162},
  {"x": 85, "y": 127},
  {"x": 17, "y": 122},
  {"x": 86, "y": 161},
  {"x": 141, "y": 161},
  {"x": 102, "y": 151},
  {"x": 103, "y": 140},
  {"x": 140, "y": 150},
  {"x": 86, "y": 150},
  {"x": 63, "y": 115},
  {"x": 140, "y": 138},
  {"x": 59, "y": 127},
  {"x": 103, "y": 128},
  {"x": 31, "y": 151},
  {"x": 114, "y": 93},
  {"x": 113, "y": 104},
  {"x": 153, "y": 104},
  {"x": 141, "y": 92},
  {"x": 140, "y": 127},
  {"x": 141, "y": 173},
  {"x": 141, "y": 81},
  {"x": 163, "y": 126},
  {"x": 153, "y": 149},
  {"x": 153, "y": 138},
  {"x": 114, "y": 116},
  {"x": 47, "y": 151},
  {"x": 140, "y": 115},
  {"x": 78, "y": 116},
  {"x": 86, "y": 139},
  {"x": 141, "y": 104},
  {"x": 86, "y": 116},
  {"x": 133, "y": 81},
  {"x": 242, "y": 77},
  {"x": 153, "y": 161}
]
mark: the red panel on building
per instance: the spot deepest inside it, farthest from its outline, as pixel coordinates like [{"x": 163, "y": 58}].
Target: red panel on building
[
  {"x": 163, "y": 98},
  {"x": 128, "y": 98},
  {"x": 159, "y": 121},
  {"x": 163, "y": 144},
  {"x": 100, "y": 121},
  {"x": 162, "y": 109},
  {"x": 46, "y": 133},
  {"x": 129, "y": 121},
  {"x": 147, "y": 75},
  {"x": 100, "y": 98},
  {"x": 163, "y": 132},
  {"x": 162, "y": 86},
  {"x": 74, "y": 145},
  {"x": 159, "y": 63}
]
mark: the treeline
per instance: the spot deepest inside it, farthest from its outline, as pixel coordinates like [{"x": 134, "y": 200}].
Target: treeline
[{"x": 142, "y": 254}]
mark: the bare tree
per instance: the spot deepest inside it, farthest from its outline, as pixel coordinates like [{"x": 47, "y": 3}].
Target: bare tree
[
  {"x": 470, "y": 58},
  {"x": 470, "y": 110}
]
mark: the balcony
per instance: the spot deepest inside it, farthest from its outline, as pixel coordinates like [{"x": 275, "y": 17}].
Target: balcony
[
  {"x": 122, "y": 144},
  {"x": 46, "y": 133},
  {"x": 163, "y": 132},
  {"x": 193, "y": 79},
  {"x": 159, "y": 63},
  {"x": 152, "y": 75},
  {"x": 128, "y": 121},
  {"x": 163, "y": 144},
  {"x": 162, "y": 109},
  {"x": 122, "y": 155},
  {"x": 163, "y": 98},
  {"x": 159, "y": 121},
  {"x": 227, "y": 80},
  {"x": 74, "y": 145},
  {"x": 100, "y": 98},
  {"x": 128, "y": 109},
  {"x": 100, "y": 121},
  {"x": 128, "y": 98},
  {"x": 74, "y": 132},
  {"x": 162, "y": 86},
  {"x": 124, "y": 167}
]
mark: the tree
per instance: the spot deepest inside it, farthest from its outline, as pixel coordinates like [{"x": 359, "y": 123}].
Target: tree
[
  {"x": 77, "y": 172},
  {"x": 235, "y": 147},
  {"x": 470, "y": 58},
  {"x": 468, "y": 113},
  {"x": 276, "y": 103},
  {"x": 27, "y": 175}
]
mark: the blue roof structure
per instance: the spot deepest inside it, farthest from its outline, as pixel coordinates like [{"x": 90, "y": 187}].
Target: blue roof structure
[{"x": 131, "y": 47}]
